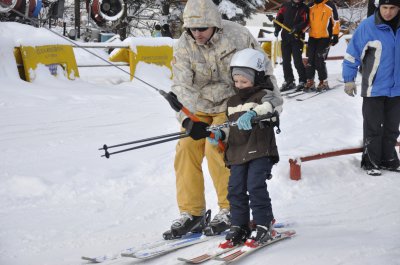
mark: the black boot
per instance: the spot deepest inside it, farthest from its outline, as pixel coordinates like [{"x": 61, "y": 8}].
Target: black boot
[
  {"x": 287, "y": 85},
  {"x": 220, "y": 223},
  {"x": 300, "y": 86},
  {"x": 238, "y": 234},
  {"x": 261, "y": 234},
  {"x": 187, "y": 223}
]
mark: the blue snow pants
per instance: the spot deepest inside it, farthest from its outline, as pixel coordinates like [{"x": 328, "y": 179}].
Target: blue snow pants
[{"x": 247, "y": 190}]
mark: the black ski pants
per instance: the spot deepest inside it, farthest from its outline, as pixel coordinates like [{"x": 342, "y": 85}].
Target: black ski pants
[
  {"x": 317, "y": 52},
  {"x": 247, "y": 190},
  {"x": 293, "y": 48},
  {"x": 381, "y": 129}
]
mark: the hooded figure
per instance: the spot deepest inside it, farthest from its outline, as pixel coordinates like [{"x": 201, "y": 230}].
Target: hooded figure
[{"x": 203, "y": 84}]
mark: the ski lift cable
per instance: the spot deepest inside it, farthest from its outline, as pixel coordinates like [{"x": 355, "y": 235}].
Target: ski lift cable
[{"x": 170, "y": 97}]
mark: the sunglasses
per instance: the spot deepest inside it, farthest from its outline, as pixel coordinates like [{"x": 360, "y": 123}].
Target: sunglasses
[{"x": 198, "y": 29}]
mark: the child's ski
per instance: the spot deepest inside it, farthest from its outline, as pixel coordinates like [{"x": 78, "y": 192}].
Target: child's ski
[
  {"x": 223, "y": 248},
  {"x": 248, "y": 249}
]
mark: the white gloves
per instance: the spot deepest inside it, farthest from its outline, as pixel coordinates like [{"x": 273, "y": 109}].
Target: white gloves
[{"x": 350, "y": 88}]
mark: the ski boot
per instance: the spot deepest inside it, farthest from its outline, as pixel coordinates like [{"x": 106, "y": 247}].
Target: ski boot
[
  {"x": 237, "y": 235},
  {"x": 371, "y": 169},
  {"x": 391, "y": 165},
  {"x": 287, "y": 85},
  {"x": 261, "y": 234},
  {"x": 300, "y": 86},
  {"x": 220, "y": 223},
  {"x": 187, "y": 223},
  {"x": 310, "y": 86},
  {"x": 323, "y": 85}
]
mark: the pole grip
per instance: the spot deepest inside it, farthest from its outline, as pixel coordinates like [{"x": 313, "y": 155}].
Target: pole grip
[
  {"x": 189, "y": 114},
  {"x": 221, "y": 145}
]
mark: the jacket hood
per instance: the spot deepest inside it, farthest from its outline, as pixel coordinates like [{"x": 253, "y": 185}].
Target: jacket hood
[{"x": 201, "y": 14}]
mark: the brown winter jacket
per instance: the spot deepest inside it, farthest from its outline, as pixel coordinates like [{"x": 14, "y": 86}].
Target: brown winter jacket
[{"x": 244, "y": 145}]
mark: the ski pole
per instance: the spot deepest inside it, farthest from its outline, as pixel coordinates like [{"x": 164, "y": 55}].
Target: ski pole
[
  {"x": 170, "y": 97},
  {"x": 108, "y": 154},
  {"x": 271, "y": 17},
  {"x": 254, "y": 120},
  {"x": 105, "y": 147},
  {"x": 178, "y": 106}
]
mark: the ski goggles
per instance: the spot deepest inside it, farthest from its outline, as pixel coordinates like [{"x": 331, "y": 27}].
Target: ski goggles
[{"x": 198, "y": 29}]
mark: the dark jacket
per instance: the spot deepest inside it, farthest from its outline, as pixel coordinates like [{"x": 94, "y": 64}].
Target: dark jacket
[
  {"x": 294, "y": 16},
  {"x": 243, "y": 145}
]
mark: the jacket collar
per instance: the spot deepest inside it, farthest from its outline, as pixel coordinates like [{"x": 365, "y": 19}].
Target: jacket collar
[{"x": 379, "y": 22}]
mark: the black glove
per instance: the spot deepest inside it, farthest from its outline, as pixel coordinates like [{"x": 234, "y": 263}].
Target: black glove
[
  {"x": 295, "y": 31},
  {"x": 276, "y": 33},
  {"x": 334, "y": 40},
  {"x": 196, "y": 129}
]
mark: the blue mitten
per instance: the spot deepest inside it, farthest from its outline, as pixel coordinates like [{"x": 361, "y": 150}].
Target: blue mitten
[
  {"x": 217, "y": 136},
  {"x": 244, "y": 121}
]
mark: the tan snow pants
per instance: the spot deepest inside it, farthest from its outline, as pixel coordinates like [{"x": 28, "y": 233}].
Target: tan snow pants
[{"x": 189, "y": 174}]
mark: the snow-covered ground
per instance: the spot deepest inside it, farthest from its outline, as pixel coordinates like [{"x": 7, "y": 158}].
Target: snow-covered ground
[{"x": 60, "y": 200}]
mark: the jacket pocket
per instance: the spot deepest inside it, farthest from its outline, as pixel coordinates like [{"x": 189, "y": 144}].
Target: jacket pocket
[{"x": 202, "y": 74}]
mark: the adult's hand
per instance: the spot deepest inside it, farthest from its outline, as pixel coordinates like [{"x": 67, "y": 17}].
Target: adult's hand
[{"x": 196, "y": 129}]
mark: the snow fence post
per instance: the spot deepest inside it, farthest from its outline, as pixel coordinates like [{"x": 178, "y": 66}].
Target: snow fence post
[{"x": 295, "y": 169}]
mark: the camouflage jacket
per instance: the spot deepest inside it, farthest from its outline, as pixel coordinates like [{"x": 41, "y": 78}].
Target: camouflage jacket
[{"x": 201, "y": 73}]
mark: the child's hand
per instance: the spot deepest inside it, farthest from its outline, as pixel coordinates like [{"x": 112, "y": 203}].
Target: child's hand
[
  {"x": 244, "y": 121},
  {"x": 218, "y": 135}
]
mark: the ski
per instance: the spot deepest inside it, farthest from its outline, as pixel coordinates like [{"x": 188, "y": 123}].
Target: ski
[
  {"x": 249, "y": 249},
  {"x": 318, "y": 93},
  {"x": 169, "y": 247},
  {"x": 132, "y": 250},
  {"x": 288, "y": 92},
  {"x": 295, "y": 94},
  {"x": 224, "y": 248},
  {"x": 160, "y": 247}
]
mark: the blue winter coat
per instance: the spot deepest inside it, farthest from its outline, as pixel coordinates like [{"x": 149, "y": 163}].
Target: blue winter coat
[{"x": 375, "y": 48}]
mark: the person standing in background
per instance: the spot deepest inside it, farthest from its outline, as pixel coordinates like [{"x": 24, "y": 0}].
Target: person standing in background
[
  {"x": 324, "y": 32},
  {"x": 294, "y": 15},
  {"x": 375, "y": 46}
]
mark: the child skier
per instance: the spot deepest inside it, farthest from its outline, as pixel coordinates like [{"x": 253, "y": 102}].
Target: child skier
[{"x": 251, "y": 149}]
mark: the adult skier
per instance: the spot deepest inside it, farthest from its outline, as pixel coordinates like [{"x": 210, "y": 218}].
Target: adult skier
[
  {"x": 294, "y": 15},
  {"x": 202, "y": 83}
]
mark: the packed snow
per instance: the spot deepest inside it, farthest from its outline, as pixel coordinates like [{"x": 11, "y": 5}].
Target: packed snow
[{"x": 60, "y": 200}]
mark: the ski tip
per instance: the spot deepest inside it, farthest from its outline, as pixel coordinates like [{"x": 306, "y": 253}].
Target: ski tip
[
  {"x": 88, "y": 258},
  {"x": 128, "y": 255},
  {"x": 92, "y": 260}
]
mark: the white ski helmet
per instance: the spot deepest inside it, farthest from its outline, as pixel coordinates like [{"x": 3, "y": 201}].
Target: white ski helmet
[
  {"x": 250, "y": 58},
  {"x": 253, "y": 59}
]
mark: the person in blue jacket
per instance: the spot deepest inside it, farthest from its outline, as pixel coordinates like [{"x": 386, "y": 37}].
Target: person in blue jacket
[{"x": 375, "y": 47}]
